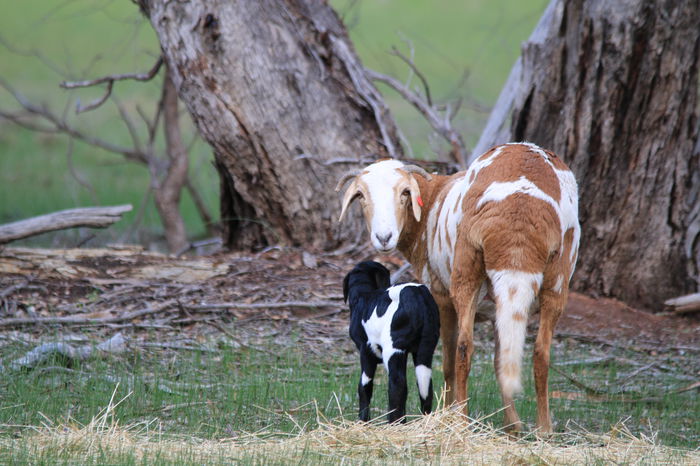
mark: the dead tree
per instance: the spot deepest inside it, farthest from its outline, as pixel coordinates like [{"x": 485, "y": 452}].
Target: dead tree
[
  {"x": 276, "y": 89},
  {"x": 168, "y": 172},
  {"x": 612, "y": 87}
]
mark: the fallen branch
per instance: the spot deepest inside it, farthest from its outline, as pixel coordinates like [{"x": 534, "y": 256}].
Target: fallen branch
[
  {"x": 684, "y": 304},
  {"x": 78, "y": 320},
  {"x": 264, "y": 305},
  {"x": 94, "y": 217},
  {"x": 70, "y": 354}
]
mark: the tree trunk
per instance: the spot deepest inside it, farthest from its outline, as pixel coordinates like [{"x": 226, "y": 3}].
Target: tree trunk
[
  {"x": 276, "y": 89},
  {"x": 168, "y": 189},
  {"x": 612, "y": 87}
]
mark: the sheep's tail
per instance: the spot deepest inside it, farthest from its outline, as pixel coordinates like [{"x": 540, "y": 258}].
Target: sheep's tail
[{"x": 514, "y": 294}]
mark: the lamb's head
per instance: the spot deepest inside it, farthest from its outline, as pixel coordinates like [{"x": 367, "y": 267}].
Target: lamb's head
[{"x": 389, "y": 194}]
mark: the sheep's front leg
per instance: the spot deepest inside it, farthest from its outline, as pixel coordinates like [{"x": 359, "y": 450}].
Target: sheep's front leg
[
  {"x": 398, "y": 390},
  {"x": 368, "y": 363},
  {"x": 448, "y": 333}
]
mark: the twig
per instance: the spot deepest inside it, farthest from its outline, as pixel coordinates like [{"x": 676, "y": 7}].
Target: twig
[
  {"x": 414, "y": 68},
  {"x": 60, "y": 126},
  {"x": 263, "y": 305},
  {"x": 110, "y": 83},
  {"x": 77, "y": 320},
  {"x": 588, "y": 389},
  {"x": 440, "y": 125}
]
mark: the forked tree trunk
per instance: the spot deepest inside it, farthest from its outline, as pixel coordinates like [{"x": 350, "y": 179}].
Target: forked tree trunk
[
  {"x": 276, "y": 89},
  {"x": 612, "y": 86}
]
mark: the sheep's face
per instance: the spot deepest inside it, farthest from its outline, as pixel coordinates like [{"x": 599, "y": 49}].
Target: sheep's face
[{"x": 388, "y": 195}]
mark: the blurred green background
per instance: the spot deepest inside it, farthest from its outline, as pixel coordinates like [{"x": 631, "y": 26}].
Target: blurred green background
[{"x": 465, "y": 48}]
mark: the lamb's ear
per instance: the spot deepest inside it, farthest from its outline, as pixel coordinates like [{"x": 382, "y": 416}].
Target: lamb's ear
[
  {"x": 352, "y": 191},
  {"x": 416, "y": 200},
  {"x": 381, "y": 277},
  {"x": 346, "y": 283}
]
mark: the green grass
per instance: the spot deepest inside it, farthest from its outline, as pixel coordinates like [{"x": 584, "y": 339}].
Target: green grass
[
  {"x": 232, "y": 391},
  {"x": 80, "y": 39}
]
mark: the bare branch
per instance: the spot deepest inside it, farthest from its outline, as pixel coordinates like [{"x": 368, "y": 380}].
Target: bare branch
[
  {"x": 95, "y": 103},
  {"x": 110, "y": 82},
  {"x": 414, "y": 68},
  {"x": 60, "y": 126},
  {"x": 116, "y": 77},
  {"x": 441, "y": 125}
]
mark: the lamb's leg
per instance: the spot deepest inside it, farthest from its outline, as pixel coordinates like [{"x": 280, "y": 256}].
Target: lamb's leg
[
  {"x": 368, "y": 363},
  {"x": 398, "y": 391},
  {"x": 424, "y": 378}
]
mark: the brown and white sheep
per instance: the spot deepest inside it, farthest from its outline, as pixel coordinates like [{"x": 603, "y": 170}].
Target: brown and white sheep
[{"x": 508, "y": 226}]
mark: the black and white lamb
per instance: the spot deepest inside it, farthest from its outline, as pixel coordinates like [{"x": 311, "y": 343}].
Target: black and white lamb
[{"x": 387, "y": 323}]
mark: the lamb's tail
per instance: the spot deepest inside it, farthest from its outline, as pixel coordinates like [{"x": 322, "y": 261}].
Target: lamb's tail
[{"x": 514, "y": 293}]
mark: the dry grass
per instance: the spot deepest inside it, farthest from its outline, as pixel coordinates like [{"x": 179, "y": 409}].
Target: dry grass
[{"x": 446, "y": 436}]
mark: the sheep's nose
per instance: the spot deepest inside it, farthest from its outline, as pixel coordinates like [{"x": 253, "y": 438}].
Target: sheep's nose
[{"x": 383, "y": 239}]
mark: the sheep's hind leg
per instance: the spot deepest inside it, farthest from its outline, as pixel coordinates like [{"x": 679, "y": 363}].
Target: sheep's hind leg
[
  {"x": 551, "y": 307},
  {"x": 398, "y": 391},
  {"x": 368, "y": 363}
]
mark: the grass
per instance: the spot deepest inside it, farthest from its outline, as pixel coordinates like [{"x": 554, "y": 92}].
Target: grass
[
  {"x": 287, "y": 399},
  {"x": 79, "y": 39}
]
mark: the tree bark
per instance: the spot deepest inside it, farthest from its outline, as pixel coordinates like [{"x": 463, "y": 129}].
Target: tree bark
[
  {"x": 612, "y": 87},
  {"x": 169, "y": 186},
  {"x": 276, "y": 89}
]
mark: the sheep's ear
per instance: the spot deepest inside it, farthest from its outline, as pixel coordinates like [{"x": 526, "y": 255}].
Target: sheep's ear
[
  {"x": 346, "y": 283},
  {"x": 416, "y": 201},
  {"x": 350, "y": 194}
]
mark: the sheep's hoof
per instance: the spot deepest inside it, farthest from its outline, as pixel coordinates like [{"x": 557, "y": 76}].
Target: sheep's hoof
[{"x": 514, "y": 430}]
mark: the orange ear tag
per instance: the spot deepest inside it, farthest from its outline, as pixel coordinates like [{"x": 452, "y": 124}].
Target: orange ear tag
[{"x": 420, "y": 201}]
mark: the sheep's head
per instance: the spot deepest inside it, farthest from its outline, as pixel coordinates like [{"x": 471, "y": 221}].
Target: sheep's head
[{"x": 389, "y": 193}]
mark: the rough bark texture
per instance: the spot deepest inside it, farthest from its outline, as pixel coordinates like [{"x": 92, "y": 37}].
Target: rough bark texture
[
  {"x": 612, "y": 88},
  {"x": 275, "y": 87}
]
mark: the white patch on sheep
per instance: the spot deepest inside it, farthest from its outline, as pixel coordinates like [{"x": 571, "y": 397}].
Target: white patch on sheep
[
  {"x": 378, "y": 329},
  {"x": 558, "y": 284},
  {"x": 443, "y": 219},
  {"x": 381, "y": 177},
  {"x": 566, "y": 209},
  {"x": 365, "y": 379},
  {"x": 423, "y": 374},
  {"x": 514, "y": 292}
]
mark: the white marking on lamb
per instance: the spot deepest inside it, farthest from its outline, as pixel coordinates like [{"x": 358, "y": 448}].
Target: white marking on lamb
[
  {"x": 423, "y": 374},
  {"x": 365, "y": 379},
  {"x": 378, "y": 329},
  {"x": 514, "y": 292}
]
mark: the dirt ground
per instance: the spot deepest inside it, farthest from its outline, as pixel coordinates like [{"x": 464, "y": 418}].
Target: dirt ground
[{"x": 107, "y": 289}]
